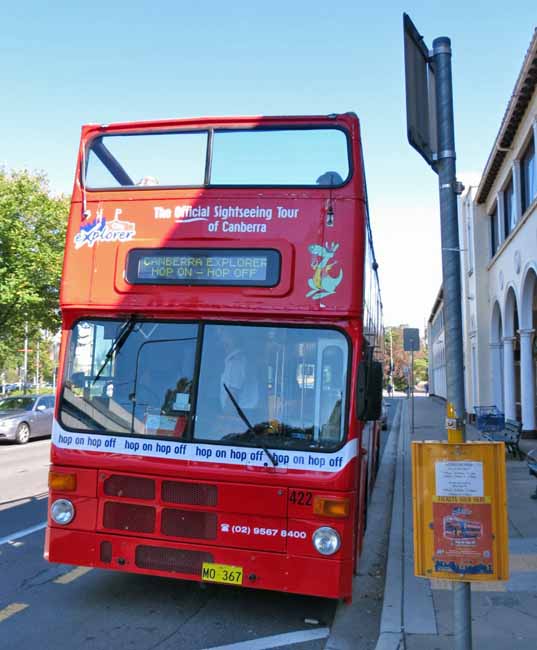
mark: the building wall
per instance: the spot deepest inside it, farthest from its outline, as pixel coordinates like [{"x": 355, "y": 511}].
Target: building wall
[
  {"x": 437, "y": 351},
  {"x": 475, "y": 245},
  {"x": 500, "y": 283}
]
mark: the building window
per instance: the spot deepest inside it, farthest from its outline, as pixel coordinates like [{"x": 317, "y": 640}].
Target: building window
[
  {"x": 529, "y": 179},
  {"x": 509, "y": 209},
  {"x": 494, "y": 232}
]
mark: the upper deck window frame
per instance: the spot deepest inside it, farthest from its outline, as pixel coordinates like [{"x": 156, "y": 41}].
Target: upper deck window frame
[
  {"x": 210, "y": 131},
  {"x": 528, "y": 180}
]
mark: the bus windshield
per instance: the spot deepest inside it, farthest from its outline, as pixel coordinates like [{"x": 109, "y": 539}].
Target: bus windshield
[
  {"x": 220, "y": 157},
  {"x": 285, "y": 387}
]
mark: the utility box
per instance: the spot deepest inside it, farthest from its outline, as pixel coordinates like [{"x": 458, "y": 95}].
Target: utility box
[{"x": 460, "y": 511}]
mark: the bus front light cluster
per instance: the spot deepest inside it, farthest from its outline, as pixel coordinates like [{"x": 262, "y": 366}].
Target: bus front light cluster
[
  {"x": 326, "y": 540},
  {"x": 62, "y": 512}
]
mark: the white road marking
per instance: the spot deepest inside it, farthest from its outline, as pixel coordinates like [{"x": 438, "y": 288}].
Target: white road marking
[
  {"x": 66, "y": 578},
  {"x": 22, "y": 533},
  {"x": 276, "y": 641},
  {"x": 14, "y": 608}
]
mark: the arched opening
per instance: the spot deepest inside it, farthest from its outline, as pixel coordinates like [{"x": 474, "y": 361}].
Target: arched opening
[
  {"x": 528, "y": 349},
  {"x": 511, "y": 358}
]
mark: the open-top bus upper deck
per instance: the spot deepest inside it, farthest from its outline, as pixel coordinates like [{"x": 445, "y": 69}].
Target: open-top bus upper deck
[
  {"x": 250, "y": 215},
  {"x": 190, "y": 239},
  {"x": 218, "y": 297}
]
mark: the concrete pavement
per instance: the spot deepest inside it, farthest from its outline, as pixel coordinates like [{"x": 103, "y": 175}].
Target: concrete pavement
[{"x": 418, "y": 613}]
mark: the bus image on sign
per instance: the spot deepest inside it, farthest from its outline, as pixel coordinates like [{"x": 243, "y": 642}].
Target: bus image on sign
[{"x": 220, "y": 386}]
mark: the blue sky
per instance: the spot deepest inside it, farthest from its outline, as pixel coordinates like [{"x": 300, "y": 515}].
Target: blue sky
[{"x": 65, "y": 64}]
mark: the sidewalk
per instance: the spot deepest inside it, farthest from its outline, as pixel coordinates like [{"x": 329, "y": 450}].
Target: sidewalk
[{"x": 417, "y": 613}]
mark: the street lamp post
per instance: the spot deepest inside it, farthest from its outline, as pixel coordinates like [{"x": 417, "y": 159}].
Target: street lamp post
[{"x": 25, "y": 371}]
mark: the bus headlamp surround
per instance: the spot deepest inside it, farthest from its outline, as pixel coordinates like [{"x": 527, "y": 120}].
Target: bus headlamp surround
[
  {"x": 326, "y": 540},
  {"x": 62, "y": 512}
]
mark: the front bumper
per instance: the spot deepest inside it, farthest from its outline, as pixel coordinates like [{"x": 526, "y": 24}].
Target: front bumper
[
  {"x": 262, "y": 570},
  {"x": 9, "y": 433}
]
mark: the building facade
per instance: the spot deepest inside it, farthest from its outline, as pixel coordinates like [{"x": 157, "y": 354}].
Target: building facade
[
  {"x": 498, "y": 234},
  {"x": 437, "y": 349}
]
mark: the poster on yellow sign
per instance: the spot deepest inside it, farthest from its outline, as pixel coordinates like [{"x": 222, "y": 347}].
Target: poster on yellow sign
[{"x": 460, "y": 511}]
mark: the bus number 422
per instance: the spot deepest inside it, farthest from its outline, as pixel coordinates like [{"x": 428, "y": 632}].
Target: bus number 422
[{"x": 300, "y": 498}]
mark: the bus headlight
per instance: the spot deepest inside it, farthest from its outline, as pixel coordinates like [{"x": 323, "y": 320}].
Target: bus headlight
[
  {"x": 62, "y": 512},
  {"x": 326, "y": 540}
]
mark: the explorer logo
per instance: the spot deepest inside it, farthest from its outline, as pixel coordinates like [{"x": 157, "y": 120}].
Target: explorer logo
[{"x": 99, "y": 230}]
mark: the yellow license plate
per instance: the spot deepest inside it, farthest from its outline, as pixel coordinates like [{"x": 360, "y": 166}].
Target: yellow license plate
[{"x": 231, "y": 575}]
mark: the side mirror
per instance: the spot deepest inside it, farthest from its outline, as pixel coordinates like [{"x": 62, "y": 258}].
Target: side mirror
[
  {"x": 369, "y": 391},
  {"x": 41, "y": 407}
]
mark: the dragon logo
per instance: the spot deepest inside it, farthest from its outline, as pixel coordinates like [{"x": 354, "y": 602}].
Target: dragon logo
[{"x": 322, "y": 283}]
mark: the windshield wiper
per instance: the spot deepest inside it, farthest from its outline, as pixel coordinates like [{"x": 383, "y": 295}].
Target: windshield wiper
[
  {"x": 117, "y": 344},
  {"x": 250, "y": 427}
]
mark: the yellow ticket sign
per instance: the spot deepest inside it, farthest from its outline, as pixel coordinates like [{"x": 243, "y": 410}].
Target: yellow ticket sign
[{"x": 460, "y": 511}]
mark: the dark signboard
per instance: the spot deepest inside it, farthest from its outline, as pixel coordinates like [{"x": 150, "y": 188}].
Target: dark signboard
[
  {"x": 204, "y": 266},
  {"x": 411, "y": 339},
  {"x": 420, "y": 93}
]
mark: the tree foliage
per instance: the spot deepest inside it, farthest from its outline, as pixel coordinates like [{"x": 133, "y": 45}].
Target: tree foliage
[{"x": 32, "y": 236}]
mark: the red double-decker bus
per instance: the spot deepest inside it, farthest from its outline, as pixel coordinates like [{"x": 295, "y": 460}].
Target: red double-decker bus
[{"x": 216, "y": 412}]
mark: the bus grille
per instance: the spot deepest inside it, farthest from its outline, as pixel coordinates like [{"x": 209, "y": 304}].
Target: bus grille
[
  {"x": 126, "y": 516},
  {"x": 189, "y": 523},
  {"x": 189, "y": 493},
  {"x": 170, "y": 559},
  {"x": 131, "y": 487}
]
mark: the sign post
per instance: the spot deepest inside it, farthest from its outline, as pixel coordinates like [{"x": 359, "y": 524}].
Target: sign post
[
  {"x": 411, "y": 343},
  {"x": 430, "y": 130}
]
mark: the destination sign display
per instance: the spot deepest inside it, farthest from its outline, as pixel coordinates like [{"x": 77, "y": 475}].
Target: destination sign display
[{"x": 208, "y": 266}]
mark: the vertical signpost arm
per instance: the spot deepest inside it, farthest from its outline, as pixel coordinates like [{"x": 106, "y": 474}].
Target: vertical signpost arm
[
  {"x": 412, "y": 387},
  {"x": 430, "y": 130},
  {"x": 451, "y": 279}
]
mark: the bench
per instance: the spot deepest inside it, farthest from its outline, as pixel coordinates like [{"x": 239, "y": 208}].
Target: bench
[
  {"x": 510, "y": 435},
  {"x": 489, "y": 418}
]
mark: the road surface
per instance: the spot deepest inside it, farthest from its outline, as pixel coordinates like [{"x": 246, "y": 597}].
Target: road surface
[{"x": 63, "y": 607}]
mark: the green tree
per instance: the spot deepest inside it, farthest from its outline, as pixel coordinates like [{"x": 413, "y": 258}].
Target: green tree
[
  {"x": 421, "y": 369},
  {"x": 32, "y": 236}
]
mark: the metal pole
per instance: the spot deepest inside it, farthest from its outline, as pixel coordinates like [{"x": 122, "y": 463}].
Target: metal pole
[
  {"x": 412, "y": 387},
  {"x": 445, "y": 166},
  {"x": 25, "y": 380},
  {"x": 391, "y": 360},
  {"x": 37, "y": 368}
]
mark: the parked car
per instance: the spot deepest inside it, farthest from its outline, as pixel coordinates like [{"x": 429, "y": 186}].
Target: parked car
[
  {"x": 8, "y": 388},
  {"x": 25, "y": 417}
]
